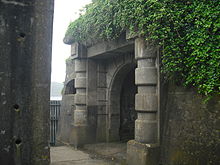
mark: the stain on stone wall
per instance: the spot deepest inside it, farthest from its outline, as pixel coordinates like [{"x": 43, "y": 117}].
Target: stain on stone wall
[
  {"x": 189, "y": 127},
  {"x": 25, "y": 56}
]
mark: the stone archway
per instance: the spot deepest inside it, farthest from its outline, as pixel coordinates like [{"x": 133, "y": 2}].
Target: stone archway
[{"x": 116, "y": 94}]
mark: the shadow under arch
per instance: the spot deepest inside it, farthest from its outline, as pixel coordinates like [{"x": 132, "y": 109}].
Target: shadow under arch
[{"x": 114, "y": 95}]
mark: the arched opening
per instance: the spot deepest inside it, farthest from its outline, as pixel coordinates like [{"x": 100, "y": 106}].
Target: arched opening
[
  {"x": 121, "y": 105},
  {"x": 128, "y": 114},
  {"x": 70, "y": 88}
]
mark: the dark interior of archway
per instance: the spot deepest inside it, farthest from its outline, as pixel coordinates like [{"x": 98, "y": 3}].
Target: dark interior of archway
[
  {"x": 70, "y": 89},
  {"x": 128, "y": 114}
]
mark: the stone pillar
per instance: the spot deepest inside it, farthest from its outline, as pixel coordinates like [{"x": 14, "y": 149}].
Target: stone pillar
[
  {"x": 80, "y": 113},
  {"x": 146, "y": 105},
  {"x": 81, "y": 132},
  {"x": 146, "y": 100},
  {"x": 102, "y": 114}
]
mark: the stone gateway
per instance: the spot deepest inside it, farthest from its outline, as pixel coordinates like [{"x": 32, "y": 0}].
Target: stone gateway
[{"x": 121, "y": 95}]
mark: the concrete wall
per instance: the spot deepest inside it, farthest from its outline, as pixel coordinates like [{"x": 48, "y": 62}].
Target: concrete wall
[
  {"x": 66, "y": 118},
  {"x": 25, "y": 56},
  {"x": 65, "y": 122},
  {"x": 189, "y": 127}
]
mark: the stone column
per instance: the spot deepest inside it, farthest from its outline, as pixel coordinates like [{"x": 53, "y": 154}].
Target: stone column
[
  {"x": 80, "y": 114},
  {"x": 82, "y": 131},
  {"x": 146, "y": 100},
  {"x": 102, "y": 114},
  {"x": 146, "y": 105},
  {"x": 80, "y": 119}
]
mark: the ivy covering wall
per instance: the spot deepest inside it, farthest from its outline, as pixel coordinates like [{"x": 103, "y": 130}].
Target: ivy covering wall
[{"x": 187, "y": 30}]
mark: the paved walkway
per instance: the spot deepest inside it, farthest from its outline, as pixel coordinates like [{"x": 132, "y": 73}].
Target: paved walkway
[{"x": 94, "y": 154}]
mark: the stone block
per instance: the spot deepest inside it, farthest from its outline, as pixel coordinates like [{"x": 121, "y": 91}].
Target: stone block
[
  {"x": 101, "y": 94},
  {"x": 146, "y": 131},
  {"x": 113, "y": 135},
  {"x": 146, "y": 76},
  {"x": 80, "y": 91},
  {"x": 80, "y": 117},
  {"x": 101, "y": 67},
  {"x": 80, "y": 99},
  {"x": 101, "y": 128},
  {"x": 80, "y": 107},
  {"x": 147, "y": 89},
  {"x": 80, "y": 82},
  {"x": 81, "y": 135},
  {"x": 142, "y": 154},
  {"x": 101, "y": 80},
  {"x": 144, "y": 49},
  {"x": 78, "y": 50},
  {"x": 80, "y": 74},
  {"x": 80, "y": 65},
  {"x": 146, "y": 102},
  {"x": 149, "y": 62},
  {"x": 101, "y": 109},
  {"x": 115, "y": 121},
  {"x": 74, "y": 49},
  {"x": 114, "y": 107}
]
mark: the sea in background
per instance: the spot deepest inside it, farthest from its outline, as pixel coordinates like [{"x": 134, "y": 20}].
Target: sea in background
[{"x": 56, "y": 91}]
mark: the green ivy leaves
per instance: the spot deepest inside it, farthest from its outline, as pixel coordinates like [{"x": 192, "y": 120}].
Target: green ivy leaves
[{"x": 187, "y": 30}]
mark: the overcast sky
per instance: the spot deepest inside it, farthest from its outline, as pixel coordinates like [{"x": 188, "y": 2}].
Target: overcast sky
[{"x": 65, "y": 11}]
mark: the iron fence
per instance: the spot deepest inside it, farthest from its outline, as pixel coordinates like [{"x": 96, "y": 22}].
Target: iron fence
[{"x": 54, "y": 115}]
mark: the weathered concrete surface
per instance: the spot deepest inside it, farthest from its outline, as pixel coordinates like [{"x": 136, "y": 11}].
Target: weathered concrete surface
[
  {"x": 189, "y": 127},
  {"x": 66, "y": 118},
  {"x": 67, "y": 104},
  {"x": 25, "y": 56},
  {"x": 142, "y": 154}
]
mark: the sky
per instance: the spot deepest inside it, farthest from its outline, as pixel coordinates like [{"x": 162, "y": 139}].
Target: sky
[{"x": 65, "y": 11}]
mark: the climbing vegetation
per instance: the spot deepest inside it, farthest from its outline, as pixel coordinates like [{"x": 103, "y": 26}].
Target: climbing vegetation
[{"x": 187, "y": 30}]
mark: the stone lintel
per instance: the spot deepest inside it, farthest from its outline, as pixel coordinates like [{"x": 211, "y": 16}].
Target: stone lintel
[{"x": 117, "y": 46}]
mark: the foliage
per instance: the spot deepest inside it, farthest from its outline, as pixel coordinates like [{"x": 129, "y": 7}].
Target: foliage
[{"x": 188, "y": 31}]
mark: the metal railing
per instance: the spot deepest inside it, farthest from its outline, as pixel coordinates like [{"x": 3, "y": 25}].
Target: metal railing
[{"x": 54, "y": 115}]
